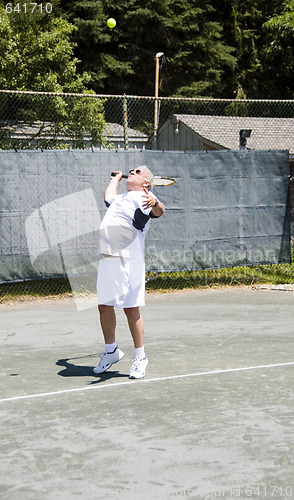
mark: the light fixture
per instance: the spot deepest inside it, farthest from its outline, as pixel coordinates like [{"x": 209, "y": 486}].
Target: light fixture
[{"x": 244, "y": 134}]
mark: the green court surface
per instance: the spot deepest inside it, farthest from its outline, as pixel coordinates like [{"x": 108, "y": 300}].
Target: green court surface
[{"x": 213, "y": 417}]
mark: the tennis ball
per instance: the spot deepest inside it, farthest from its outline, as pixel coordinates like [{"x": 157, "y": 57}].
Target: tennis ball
[{"x": 111, "y": 23}]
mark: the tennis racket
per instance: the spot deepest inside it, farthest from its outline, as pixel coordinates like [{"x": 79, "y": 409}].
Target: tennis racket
[{"x": 158, "y": 180}]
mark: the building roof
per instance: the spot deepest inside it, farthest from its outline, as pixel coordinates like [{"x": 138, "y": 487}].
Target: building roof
[
  {"x": 266, "y": 133},
  {"x": 116, "y": 131},
  {"x": 43, "y": 130}
]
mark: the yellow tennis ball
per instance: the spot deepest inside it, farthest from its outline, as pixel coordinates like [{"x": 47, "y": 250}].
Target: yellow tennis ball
[{"x": 111, "y": 23}]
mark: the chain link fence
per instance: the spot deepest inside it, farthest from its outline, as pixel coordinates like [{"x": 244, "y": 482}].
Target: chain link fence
[
  {"x": 30, "y": 120},
  {"x": 43, "y": 120}
]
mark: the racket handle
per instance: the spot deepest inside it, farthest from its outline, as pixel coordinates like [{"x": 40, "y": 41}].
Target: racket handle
[{"x": 124, "y": 176}]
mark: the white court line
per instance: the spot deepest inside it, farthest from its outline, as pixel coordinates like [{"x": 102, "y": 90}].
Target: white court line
[{"x": 146, "y": 381}]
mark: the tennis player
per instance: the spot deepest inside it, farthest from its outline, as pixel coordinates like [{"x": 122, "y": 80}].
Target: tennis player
[{"x": 121, "y": 270}]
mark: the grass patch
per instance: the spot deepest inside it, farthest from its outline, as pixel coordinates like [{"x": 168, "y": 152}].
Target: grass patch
[
  {"x": 248, "y": 275},
  {"x": 274, "y": 274},
  {"x": 34, "y": 289}
]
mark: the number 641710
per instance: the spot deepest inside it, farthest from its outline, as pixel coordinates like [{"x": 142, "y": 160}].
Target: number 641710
[{"x": 29, "y": 7}]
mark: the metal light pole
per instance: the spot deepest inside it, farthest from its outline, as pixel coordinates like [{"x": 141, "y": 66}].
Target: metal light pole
[
  {"x": 126, "y": 126},
  {"x": 157, "y": 58}
]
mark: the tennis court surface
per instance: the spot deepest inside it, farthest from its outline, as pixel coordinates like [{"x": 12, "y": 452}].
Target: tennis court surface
[{"x": 213, "y": 417}]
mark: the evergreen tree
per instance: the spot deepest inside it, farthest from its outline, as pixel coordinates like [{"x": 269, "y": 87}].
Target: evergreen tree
[
  {"x": 277, "y": 54},
  {"x": 242, "y": 21},
  {"x": 121, "y": 60},
  {"x": 264, "y": 50}
]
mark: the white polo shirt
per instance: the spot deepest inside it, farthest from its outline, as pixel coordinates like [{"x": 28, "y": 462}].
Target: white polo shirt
[{"x": 124, "y": 226}]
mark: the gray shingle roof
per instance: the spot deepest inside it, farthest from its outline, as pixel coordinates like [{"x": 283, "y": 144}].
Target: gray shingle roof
[
  {"x": 43, "y": 130},
  {"x": 267, "y": 133},
  {"x": 116, "y": 130}
]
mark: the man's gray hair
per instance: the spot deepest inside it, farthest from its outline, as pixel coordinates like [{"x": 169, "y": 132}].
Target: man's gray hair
[{"x": 149, "y": 175}]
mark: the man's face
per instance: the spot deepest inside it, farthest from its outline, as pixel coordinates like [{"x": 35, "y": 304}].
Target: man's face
[{"x": 136, "y": 180}]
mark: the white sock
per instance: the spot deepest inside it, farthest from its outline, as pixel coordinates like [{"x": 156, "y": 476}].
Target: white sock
[
  {"x": 139, "y": 352},
  {"x": 110, "y": 347}
]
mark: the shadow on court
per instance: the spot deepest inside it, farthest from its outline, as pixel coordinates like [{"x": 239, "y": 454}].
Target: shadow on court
[
  {"x": 213, "y": 417},
  {"x": 75, "y": 370}
]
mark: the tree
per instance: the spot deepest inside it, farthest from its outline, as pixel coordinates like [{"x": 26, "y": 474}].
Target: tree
[
  {"x": 36, "y": 53},
  {"x": 278, "y": 54},
  {"x": 96, "y": 44},
  {"x": 242, "y": 21},
  {"x": 262, "y": 35},
  {"x": 122, "y": 60}
]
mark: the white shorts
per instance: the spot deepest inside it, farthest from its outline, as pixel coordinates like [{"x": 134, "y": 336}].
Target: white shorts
[{"x": 121, "y": 282}]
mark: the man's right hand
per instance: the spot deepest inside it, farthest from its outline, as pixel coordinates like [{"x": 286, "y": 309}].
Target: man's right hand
[{"x": 117, "y": 176}]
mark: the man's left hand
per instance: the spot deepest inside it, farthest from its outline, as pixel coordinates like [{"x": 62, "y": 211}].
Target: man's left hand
[{"x": 149, "y": 201}]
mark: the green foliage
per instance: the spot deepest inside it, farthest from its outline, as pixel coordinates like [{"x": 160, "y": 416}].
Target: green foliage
[
  {"x": 214, "y": 48},
  {"x": 37, "y": 53},
  {"x": 84, "y": 118},
  {"x": 278, "y": 52},
  {"x": 262, "y": 34},
  {"x": 122, "y": 60},
  {"x": 51, "y": 121}
]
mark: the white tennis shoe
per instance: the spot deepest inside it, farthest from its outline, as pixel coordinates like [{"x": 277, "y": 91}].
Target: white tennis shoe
[
  {"x": 138, "y": 367},
  {"x": 107, "y": 360}
]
